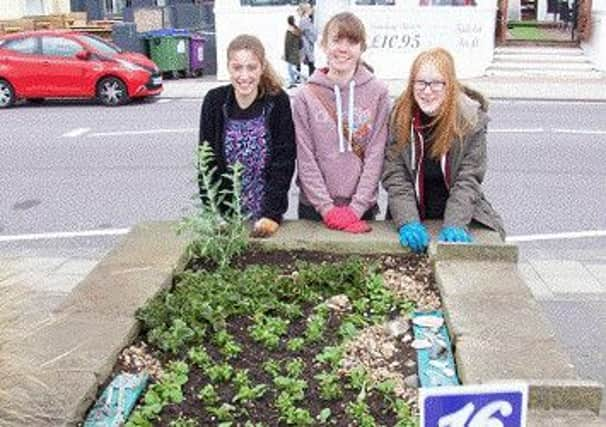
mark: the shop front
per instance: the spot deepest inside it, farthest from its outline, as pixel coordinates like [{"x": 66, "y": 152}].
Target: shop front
[{"x": 397, "y": 30}]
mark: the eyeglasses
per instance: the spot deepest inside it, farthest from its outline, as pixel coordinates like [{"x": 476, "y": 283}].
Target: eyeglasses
[{"x": 434, "y": 85}]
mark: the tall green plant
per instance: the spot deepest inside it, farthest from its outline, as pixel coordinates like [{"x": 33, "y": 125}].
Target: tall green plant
[{"x": 218, "y": 226}]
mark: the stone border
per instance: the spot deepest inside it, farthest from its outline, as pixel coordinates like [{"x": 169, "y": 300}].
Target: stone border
[{"x": 74, "y": 353}]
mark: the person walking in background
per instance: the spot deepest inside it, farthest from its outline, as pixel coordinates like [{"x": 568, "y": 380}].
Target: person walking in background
[
  {"x": 292, "y": 52},
  {"x": 250, "y": 121},
  {"x": 309, "y": 35},
  {"x": 436, "y": 166},
  {"x": 341, "y": 118}
]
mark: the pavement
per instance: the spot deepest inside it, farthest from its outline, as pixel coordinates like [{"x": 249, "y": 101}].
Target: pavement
[{"x": 33, "y": 288}]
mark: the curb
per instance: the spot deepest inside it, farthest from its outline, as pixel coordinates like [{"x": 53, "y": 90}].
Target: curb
[{"x": 75, "y": 352}]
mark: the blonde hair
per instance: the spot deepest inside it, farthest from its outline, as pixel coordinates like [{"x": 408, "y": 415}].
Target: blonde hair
[
  {"x": 345, "y": 25},
  {"x": 269, "y": 83},
  {"x": 449, "y": 124}
]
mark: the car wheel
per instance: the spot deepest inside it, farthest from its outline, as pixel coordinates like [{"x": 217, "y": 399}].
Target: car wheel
[
  {"x": 112, "y": 91},
  {"x": 7, "y": 94}
]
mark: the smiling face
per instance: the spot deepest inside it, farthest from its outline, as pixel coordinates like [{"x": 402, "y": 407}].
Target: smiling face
[
  {"x": 342, "y": 54},
  {"x": 429, "y": 88},
  {"x": 245, "y": 71}
]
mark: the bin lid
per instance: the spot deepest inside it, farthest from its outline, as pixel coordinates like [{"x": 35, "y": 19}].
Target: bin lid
[{"x": 166, "y": 32}]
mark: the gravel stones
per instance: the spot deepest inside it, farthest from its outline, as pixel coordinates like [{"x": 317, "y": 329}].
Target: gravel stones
[{"x": 137, "y": 358}]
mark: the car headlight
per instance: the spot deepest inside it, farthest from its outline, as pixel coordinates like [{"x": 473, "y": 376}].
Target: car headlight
[{"x": 129, "y": 65}]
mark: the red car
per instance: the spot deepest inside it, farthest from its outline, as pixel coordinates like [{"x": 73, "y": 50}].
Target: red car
[{"x": 65, "y": 64}]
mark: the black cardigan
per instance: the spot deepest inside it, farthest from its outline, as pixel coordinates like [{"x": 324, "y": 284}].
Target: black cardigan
[{"x": 282, "y": 150}]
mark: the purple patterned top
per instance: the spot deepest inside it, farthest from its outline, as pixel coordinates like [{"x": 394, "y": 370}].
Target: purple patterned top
[{"x": 246, "y": 142}]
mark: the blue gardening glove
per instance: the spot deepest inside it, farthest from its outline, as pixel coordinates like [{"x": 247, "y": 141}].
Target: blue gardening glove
[
  {"x": 415, "y": 236},
  {"x": 454, "y": 234}
]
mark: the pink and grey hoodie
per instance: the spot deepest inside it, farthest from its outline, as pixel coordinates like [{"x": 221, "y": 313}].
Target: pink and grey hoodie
[{"x": 329, "y": 172}]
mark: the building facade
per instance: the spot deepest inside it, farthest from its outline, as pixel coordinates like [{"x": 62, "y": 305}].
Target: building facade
[
  {"x": 397, "y": 30},
  {"x": 15, "y": 9}
]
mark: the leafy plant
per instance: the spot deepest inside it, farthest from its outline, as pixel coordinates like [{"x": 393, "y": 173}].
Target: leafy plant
[
  {"x": 272, "y": 367},
  {"x": 330, "y": 387},
  {"x": 324, "y": 415},
  {"x": 160, "y": 394},
  {"x": 247, "y": 393},
  {"x": 295, "y": 367},
  {"x": 219, "y": 373},
  {"x": 200, "y": 357},
  {"x": 184, "y": 422},
  {"x": 219, "y": 226},
  {"x": 208, "y": 395},
  {"x": 360, "y": 412},
  {"x": 267, "y": 330},
  {"x": 178, "y": 335},
  {"x": 225, "y": 412},
  {"x": 227, "y": 344},
  {"x": 331, "y": 355},
  {"x": 295, "y": 344}
]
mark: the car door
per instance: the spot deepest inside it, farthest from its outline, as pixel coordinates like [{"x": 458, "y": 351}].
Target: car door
[
  {"x": 64, "y": 73},
  {"x": 21, "y": 65}
]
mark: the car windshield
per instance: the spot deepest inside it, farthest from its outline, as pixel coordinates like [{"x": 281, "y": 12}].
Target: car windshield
[{"x": 99, "y": 45}]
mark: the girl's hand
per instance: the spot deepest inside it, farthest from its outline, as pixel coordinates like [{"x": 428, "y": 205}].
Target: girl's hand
[{"x": 264, "y": 227}]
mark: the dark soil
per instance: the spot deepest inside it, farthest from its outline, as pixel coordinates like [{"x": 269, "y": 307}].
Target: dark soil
[{"x": 254, "y": 354}]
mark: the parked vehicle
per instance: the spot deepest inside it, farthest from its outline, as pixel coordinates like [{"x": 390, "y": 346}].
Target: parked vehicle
[{"x": 66, "y": 64}]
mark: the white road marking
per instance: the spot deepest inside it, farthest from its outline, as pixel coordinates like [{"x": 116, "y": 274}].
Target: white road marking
[
  {"x": 557, "y": 236},
  {"x": 75, "y": 132},
  {"x": 142, "y": 132},
  {"x": 517, "y": 130},
  {"x": 545, "y": 102},
  {"x": 580, "y": 131},
  {"x": 66, "y": 234},
  {"x": 163, "y": 101}
]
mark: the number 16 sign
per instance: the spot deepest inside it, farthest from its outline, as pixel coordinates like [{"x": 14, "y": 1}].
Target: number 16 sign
[{"x": 489, "y": 405}]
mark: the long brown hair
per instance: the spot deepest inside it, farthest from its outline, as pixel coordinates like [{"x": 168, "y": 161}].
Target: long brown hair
[
  {"x": 449, "y": 124},
  {"x": 269, "y": 83},
  {"x": 345, "y": 25}
]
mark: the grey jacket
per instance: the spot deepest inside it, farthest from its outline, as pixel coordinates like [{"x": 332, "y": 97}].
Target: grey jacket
[{"x": 464, "y": 165}]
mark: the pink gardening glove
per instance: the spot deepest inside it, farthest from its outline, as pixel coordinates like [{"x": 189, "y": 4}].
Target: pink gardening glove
[
  {"x": 340, "y": 217},
  {"x": 360, "y": 226},
  {"x": 331, "y": 219}
]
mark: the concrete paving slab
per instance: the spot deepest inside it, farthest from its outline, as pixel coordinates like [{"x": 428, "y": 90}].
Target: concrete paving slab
[
  {"x": 496, "y": 317},
  {"x": 540, "y": 290},
  {"x": 561, "y": 394},
  {"x": 33, "y": 400},
  {"x": 542, "y": 418},
  {"x": 598, "y": 271},
  {"x": 481, "y": 359},
  {"x": 565, "y": 277},
  {"x": 112, "y": 290},
  {"x": 585, "y": 344},
  {"x": 76, "y": 266},
  {"x": 479, "y": 278}
]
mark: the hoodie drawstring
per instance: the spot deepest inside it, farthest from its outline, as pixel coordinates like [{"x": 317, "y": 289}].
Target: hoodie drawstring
[
  {"x": 339, "y": 119},
  {"x": 350, "y": 116}
]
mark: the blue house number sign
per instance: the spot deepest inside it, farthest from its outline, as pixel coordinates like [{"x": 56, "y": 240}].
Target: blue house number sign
[{"x": 490, "y": 405}]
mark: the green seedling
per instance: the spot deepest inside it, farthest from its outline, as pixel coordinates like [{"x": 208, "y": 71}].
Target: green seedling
[
  {"x": 208, "y": 395},
  {"x": 227, "y": 344},
  {"x": 219, "y": 373},
  {"x": 330, "y": 387},
  {"x": 200, "y": 357},
  {"x": 295, "y": 367},
  {"x": 272, "y": 367},
  {"x": 324, "y": 415},
  {"x": 225, "y": 412},
  {"x": 295, "y": 344},
  {"x": 331, "y": 355}
]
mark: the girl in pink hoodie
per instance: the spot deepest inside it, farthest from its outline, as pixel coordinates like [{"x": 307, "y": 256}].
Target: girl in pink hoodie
[{"x": 340, "y": 118}]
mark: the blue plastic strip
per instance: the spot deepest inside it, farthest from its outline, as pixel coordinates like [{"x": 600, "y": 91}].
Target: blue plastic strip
[
  {"x": 117, "y": 401},
  {"x": 432, "y": 362}
]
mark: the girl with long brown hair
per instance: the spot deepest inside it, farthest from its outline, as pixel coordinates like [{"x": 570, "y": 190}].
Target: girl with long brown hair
[
  {"x": 341, "y": 116},
  {"x": 250, "y": 121},
  {"x": 436, "y": 166}
]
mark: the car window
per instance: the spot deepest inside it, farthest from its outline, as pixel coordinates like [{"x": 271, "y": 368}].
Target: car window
[
  {"x": 27, "y": 45},
  {"x": 99, "y": 45},
  {"x": 60, "y": 46}
]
